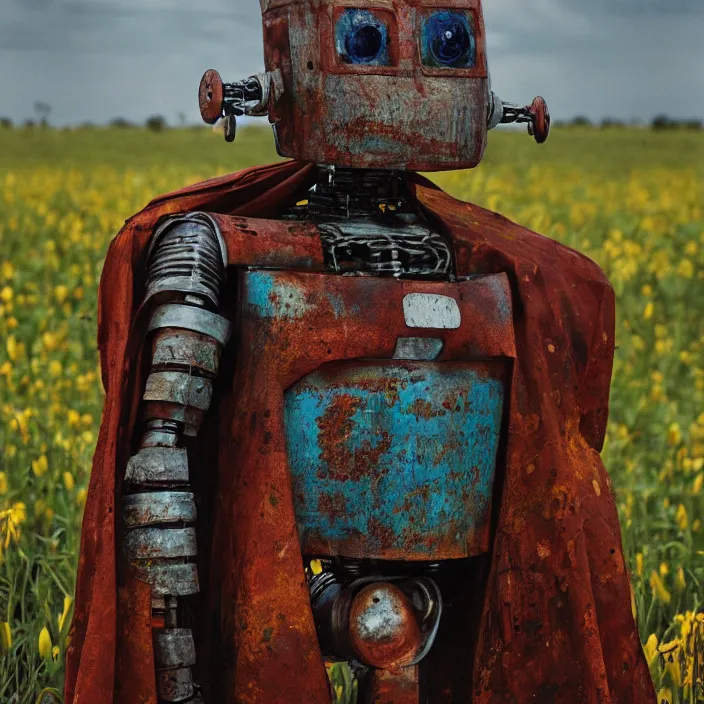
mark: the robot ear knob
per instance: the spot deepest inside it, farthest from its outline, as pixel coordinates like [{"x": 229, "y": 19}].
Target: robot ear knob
[
  {"x": 539, "y": 126},
  {"x": 210, "y": 96}
]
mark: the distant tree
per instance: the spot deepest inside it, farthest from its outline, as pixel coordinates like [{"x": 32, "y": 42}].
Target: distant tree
[
  {"x": 156, "y": 123},
  {"x": 581, "y": 121},
  {"x": 182, "y": 119},
  {"x": 5, "y": 123},
  {"x": 43, "y": 111},
  {"x": 694, "y": 124},
  {"x": 120, "y": 123},
  {"x": 29, "y": 124},
  {"x": 662, "y": 122},
  {"x": 610, "y": 122}
]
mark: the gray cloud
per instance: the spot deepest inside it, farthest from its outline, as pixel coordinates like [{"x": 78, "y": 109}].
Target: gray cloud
[{"x": 97, "y": 59}]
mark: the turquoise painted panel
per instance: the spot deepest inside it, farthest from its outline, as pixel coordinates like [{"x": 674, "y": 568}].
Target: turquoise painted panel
[{"x": 395, "y": 460}]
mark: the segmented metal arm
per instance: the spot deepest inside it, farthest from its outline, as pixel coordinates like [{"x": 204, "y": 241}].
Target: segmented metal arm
[{"x": 186, "y": 269}]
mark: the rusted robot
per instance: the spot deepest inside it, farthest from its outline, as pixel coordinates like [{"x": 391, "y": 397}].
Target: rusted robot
[{"x": 349, "y": 418}]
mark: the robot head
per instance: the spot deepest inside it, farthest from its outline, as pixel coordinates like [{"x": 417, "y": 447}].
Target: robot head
[
  {"x": 393, "y": 84},
  {"x": 379, "y": 83}
]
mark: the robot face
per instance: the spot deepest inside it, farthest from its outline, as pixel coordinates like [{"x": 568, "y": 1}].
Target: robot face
[{"x": 379, "y": 83}]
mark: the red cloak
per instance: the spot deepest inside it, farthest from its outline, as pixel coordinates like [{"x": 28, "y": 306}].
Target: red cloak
[{"x": 557, "y": 624}]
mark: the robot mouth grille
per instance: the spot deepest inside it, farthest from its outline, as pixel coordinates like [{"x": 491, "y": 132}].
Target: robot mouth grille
[{"x": 367, "y": 246}]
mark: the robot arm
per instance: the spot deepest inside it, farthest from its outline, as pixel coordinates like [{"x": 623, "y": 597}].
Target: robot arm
[{"x": 186, "y": 269}]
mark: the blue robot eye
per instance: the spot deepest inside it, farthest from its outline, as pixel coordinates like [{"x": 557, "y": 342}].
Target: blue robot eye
[
  {"x": 447, "y": 40},
  {"x": 361, "y": 38}
]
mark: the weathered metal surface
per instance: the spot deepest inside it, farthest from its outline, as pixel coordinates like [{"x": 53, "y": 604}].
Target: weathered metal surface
[
  {"x": 210, "y": 96},
  {"x": 361, "y": 92},
  {"x": 431, "y": 310},
  {"x": 406, "y": 249},
  {"x": 187, "y": 255},
  {"x": 174, "y": 685},
  {"x": 398, "y": 687},
  {"x": 176, "y": 315},
  {"x": 174, "y": 648},
  {"x": 418, "y": 348},
  {"x": 179, "y": 579},
  {"x": 384, "y": 628},
  {"x": 153, "y": 508},
  {"x": 154, "y": 465},
  {"x": 160, "y": 543},
  {"x": 186, "y": 349},
  {"x": 179, "y": 387},
  {"x": 395, "y": 461},
  {"x": 159, "y": 438},
  {"x": 190, "y": 416},
  {"x": 289, "y": 325}
]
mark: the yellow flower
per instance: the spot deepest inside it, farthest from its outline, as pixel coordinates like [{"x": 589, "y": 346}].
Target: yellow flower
[
  {"x": 8, "y": 271},
  {"x": 647, "y": 290},
  {"x": 674, "y": 434},
  {"x": 45, "y": 645},
  {"x": 69, "y": 481},
  {"x": 6, "y": 294},
  {"x": 681, "y": 517},
  {"x": 55, "y": 653},
  {"x": 55, "y": 368},
  {"x": 680, "y": 582},
  {"x": 651, "y": 649},
  {"x": 18, "y": 512},
  {"x": 3, "y": 483},
  {"x": 648, "y": 311},
  {"x": 81, "y": 496},
  {"x": 60, "y": 293},
  {"x": 50, "y": 341},
  {"x": 40, "y": 466},
  {"x": 664, "y": 569},
  {"x": 639, "y": 564},
  {"x": 685, "y": 269},
  {"x": 5, "y": 637},
  {"x": 696, "y": 526},
  {"x": 698, "y": 484},
  {"x": 64, "y": 614},
  {"x": 659, "y": 590}
]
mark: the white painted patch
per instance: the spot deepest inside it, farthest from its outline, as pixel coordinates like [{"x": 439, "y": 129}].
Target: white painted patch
[{"x": 430, "y": 310}]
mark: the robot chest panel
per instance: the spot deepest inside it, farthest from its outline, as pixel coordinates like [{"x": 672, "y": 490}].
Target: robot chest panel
[{"x": 386, "y": 397}]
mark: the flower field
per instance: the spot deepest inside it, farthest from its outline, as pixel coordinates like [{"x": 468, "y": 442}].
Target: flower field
[{"x": 633, "y": 200}]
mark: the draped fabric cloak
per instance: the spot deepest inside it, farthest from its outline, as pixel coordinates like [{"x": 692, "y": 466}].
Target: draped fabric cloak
[{"x": 557, "y": 623}]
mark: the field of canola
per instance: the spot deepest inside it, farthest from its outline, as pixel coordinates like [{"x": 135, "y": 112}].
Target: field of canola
[{"x": 632, "y": 200}]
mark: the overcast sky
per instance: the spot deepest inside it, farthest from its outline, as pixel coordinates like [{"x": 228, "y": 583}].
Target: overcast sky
[{"x": 93, "y": 60}]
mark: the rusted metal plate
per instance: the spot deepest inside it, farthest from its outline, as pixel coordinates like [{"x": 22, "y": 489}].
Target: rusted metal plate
[
  {"x": 395, "y": 461},
  {"x": 154, "y": 465},
  {"x": 418, "y": 348},
  {"x": 160, "y": 543},
  {"x": 174, "y": 648},
  {"x": 174, "y": 685},
  {"x": 155, "y": 507},
  {"x": 384, "y": 629},
  {"x": 289, "y": 325},
  {"x": 176, "y": 315},
  {"x": 364, "y": 88},
  {"x": 181, "y": 388},
  {"x": 400, "y": 687},
  {"x": 187, "y": 349},
  {"x": 169, "y": 579}
]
